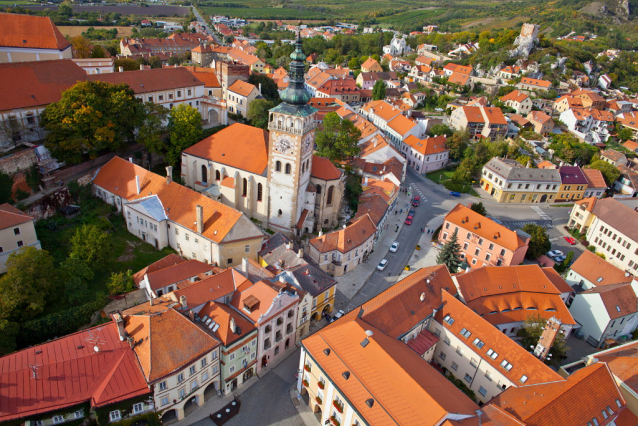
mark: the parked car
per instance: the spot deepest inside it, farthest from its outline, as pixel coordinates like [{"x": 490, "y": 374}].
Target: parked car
[
  {"x": 381, "y": 266},
  {"x": 571, "y": 240},
  {"x": 411, "y": 213},
  {"x": 408, "y": 221},
  {"x": 455, "y": 194},
  {"x": 553, "y": 253},
  {"x": 416, "y": 201},
  {"x": 394, "y": 247},
  {"x": 559, "y": 259},
  {"x": 338, "y": 315}
]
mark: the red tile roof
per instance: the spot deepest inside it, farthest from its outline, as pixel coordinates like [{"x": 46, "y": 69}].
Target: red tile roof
[
  {"x": 619, "y": 299},
  {"x": 473, "y": 114},
  {"x": 176, "y": 273},
  {"x": 30, "y": 32},
  {"x": 249, "y": 150},
  {"x": 575, "y": 401},
  {"x": 210, "y": 288},
  {"x": 433, "y": 145},
  {"x": 68, "y": 371},
  {"x": 151, "y": 80},
  {"x": 242, "y": 88},
  {"x": 221, "y": 314},
  {"x": 165, "y": 262},
  {"x": 523, "y": 363},
  {"x": 39, "y": 83},
  {"x": 595, "y": 178},
  {"x": 535, "y": 82},
  {"x": 206, "y": 76},
  {"x": 322, "y": 168},
  {"x": 348, "y": 238},
  {"x": 516, "y": 96},
  {"x": 598, "y": 271},
  {"x": 10, "y": 216}
]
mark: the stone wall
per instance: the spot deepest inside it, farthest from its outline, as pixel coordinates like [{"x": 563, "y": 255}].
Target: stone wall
[{"x": 19, "y": 161}]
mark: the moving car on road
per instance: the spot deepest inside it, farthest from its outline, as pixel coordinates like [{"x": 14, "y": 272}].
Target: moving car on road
[
  {"x": 408, "y": 221},
  {"x": 394, "y": 247},
  {"x": 381, "y": 266},
  {"x": 455, "y": 194},
  {"x": 571, "y": 240}
]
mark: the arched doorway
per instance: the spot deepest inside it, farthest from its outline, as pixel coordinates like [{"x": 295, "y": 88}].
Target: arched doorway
[
  {"x": 326, "y": 310},
  {"x": 264, "y": 361},
  {"x": 204, "y": 174},
  {"x": 213, "y": 117},
  {"x": 318, "y": 413},
  {"x": 169, "y": 417},
  {"x": 544, "y": 198},
  {"x": 191, "y": 405},
  {"x": 210, "y": 391},
  {"x": 287, "y": 343}
]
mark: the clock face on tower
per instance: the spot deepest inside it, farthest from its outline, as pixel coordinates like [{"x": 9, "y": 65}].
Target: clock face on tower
[
  {"x": 307, "y": 143},
  {"x": 283, "y": 144}
]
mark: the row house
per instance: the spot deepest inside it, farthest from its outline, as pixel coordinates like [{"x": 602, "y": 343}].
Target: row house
[
  {"x": 596, "y": 186},
  {"x": 519, "y": 101},
  {"x": 509, "y": 72},
  {"x": 421, "y": 73},
  {"x": 242, "y": 57},
  {"x": 366, "y": 80},
  {"x": 17, "y": 231},
  {"x": 426, "y": 155},
  {"x": 162, "y": 281},
  {"x": 178, "y": 359},
  {"x": 28, "y": 38},
  {"x": 567, "y": 102},
  {"x": 339, "y": 251},
  {"x": 541, "y": 122},
  {"x": 343, "y": 89},
  {"x": 376, "y": 206},
  {"x": 380, "y": 113},
  {"x": 112, "y": 388},
  {"x": 510, "y": 182},
  {"x": 371, "y": 65},
  {"x": 239, "y": 96},
  {"x": 590, "y": 99},
  {"x": 480, "y": 121},
  {"x": 28, "y": 88},
  {"x": 590, "y": 271},
  {"x": 192, "y": 224},
  {"x": 534, "y": 84},
  {"x": 450, "y": 69},
  {"x": 400, "y": 128},
  {"x": 483, "y": 241},
  {"x": 573, "y": 184},
  {"x": 507, "y": 296}
]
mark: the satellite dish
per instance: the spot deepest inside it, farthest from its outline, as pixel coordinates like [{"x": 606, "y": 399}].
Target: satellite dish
[{"x": 96, "y": 348}]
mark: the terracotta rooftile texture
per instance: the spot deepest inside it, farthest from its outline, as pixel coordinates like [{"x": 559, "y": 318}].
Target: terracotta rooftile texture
[
  {"x": 242, "y": 88},
  {"x": 427, "y": 146},
  {"x": 11, "y": 216},
  {"x": 70, "y": 372},
  {"x": 221, "y": 314},
  {"x": 595, "y": 178},
  {"x": 165, "y": 262},
  {"x": 210, "y": 288},
  {"x": 535, "y": 82},
  {"x": 619, "y": 299},
  {"x": 151, "y": 80},
  {"x": 598, "y": 271},
  {"x": 176, "y": 273},
  {"x": 515, "y": 95},
  {"x": 401, "y": 124},
  {"x": 346, "y": 239},
  {"x": 618, "y": 215},
  {"x": 30, "y": 32},
  {"x": 322, "y": 168},
  {"x": 238, "y": 145},
  {"x": 574, "y": 401}
]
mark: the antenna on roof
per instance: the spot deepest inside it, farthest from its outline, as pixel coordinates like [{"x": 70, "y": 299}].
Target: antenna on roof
[
  {"x": 95, "y": 341},
  {"x": 34, "y": 370}
]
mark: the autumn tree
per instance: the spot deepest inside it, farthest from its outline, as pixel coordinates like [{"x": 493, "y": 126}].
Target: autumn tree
[
  {"x": 82, "y": 47},
  {"x": 338, "y": 139},
  {"x": 91, "y": 117},
  {"x": 185, "y": 130},
  {"x": 28, "y": 283}
]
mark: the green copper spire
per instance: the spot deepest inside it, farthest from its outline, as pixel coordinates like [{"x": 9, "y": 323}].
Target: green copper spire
[{"x": 296, "y": 93}]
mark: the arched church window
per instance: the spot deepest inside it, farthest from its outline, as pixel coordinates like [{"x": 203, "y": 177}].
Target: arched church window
[
  {"x": 288, "y": 168},
  {"x": 204, "y": 173},
  {"x": 331, "y": 191},
  {"x": 278, "y": 166},
  {"x": 260, "y": 192},
  {"x": 245, "y": 187},
  {"x": 318, "y": 189},
  {"x": 218, "y": 175}
]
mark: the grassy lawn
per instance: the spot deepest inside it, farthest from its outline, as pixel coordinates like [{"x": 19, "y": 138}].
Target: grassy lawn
[
  {"x": 129, "y": 252},
  {"x": 444, "y": 177}
]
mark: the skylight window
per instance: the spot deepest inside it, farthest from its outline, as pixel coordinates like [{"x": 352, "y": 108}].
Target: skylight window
[
  {"x": 523, "y": 378},
  {"x": 506, "y": 365},
  {"x": 448, "y": 319},
  {"x": 478, "y": 343},
  {"x": 492, "y": 354},
  {"x": 618, "y": 308},
  {"x": 466, "y": 333}
]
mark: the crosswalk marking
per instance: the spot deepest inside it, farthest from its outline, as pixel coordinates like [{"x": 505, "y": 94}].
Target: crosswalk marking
[{"x": 541, "y": 213}]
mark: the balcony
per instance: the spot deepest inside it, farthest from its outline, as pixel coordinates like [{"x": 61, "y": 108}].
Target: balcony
[{"x": 291, "y": 129}]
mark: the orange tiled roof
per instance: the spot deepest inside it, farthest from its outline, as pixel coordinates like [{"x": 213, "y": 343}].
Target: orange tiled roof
[
  {"x": 221, "y": 314},
  {"x": 468, "y": 219},
  {"x": 176, "y": 273},
  {"x": 595, "y": 178},
  {"x": 623, "y": 363},
  {"x": 322, "y": 168},
  {"x": 619, "y": 299},
  {"x": 558, "y": 281},
  {"x": 374, "y": 205},
  {"x": 165, "y": 262},
  {"x": 547, "y": 165},
  {"x": 459, "y": 78},
  {"x": 493, "y": 115},
  {"x": 401, "y": 124},
  {"x": 11, "y": 216},
  {"x": 382, "y": 109},
  {"x": 574, "y": 401},
  {"x": 210, "y": 288},
  {"x": 405, "y": 381},
  {"x": 118, "y": 177},
  {"x": 473, "y": 114},
  {"x": 30, "y": 32},
  {"x": 261, "y": 292},
  {"x": 244, "y": 57},
  {"x": 535, "y": 82},
  {"x": 248, "y": 151},
  {"x": 515, "y": 95},
  {"x": 369, "y": 63},
  {"x": 242, "y": 88},
  {"x": 427, "y": 146},
  {"x": 348, "y": 238},
  {"x": 205, "y": 75},
  {"x": 166, "y": 341},
  {"x": 631, "y": 145},
  {"x": 523, "y": 363},
  {"x": 151, "y": 80}
]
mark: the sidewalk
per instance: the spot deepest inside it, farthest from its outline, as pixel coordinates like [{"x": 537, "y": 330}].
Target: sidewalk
[
  {"x": 427, "y": 255},
  {"x": 350, "y": 283}
]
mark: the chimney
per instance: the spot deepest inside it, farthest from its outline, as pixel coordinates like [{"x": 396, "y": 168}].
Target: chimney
[
  {"x": 141, "y": 67},
  {"x": 422, "y": 297},
  {"x": 150, "y": 300},
  {"x": 130, "y": 159},
  {"x": 169, "y": 175},
  {"x": 320, "y": 232},
  {"x": 375, "y": 143},
  {"x": 120, "y": 325},
  {"x": 300, "y": 253},
  {"x": 182, "y": 300},
  {"x": 191, "y": 315},
  {"x": 137, "y": 184},
  {"x": 200, "y": 219},
  {"x": 260, "y": 88},
  {"x": 121, "y": 69},
  {"x": 244, "y": 264}
]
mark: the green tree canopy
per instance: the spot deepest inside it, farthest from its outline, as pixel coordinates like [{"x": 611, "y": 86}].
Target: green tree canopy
[
  {"x": 76, "y": 275},
  {"x": 378, "y": 90},
  {"x": 609, "y": 171},
  {"x": 450, "y": 254},
  {"x": 6, "y": 183},
  {"x": 465, "y": 171},
  {"x": 441, "y": 129},
  {"x": 92, "y": 246},
  {"x": 8, "y": 333},
  {"x": 457, "y": 144},
  {"x": 269, "y": 88},
  {"x": 530, "y": 333},
  {"x": 152, "y": 128},
  {"x": 625, "y": 134},
  {"x": 258, "y": 112},
  {"x": 120, "y": 282},
  {"x": 338, "y": 139},
  {"x": 185, "y": 130},
  {"x": 479, "y": 208},
  {"x": 91, "y": 117},
  {"x": 28, "y": 283},
  {"x": 539, "y": 244}
]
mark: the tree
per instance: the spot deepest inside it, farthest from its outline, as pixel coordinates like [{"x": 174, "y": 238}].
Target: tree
[
  {"x": 174, "y": 60},
  {"x": 155, "y": 62},
  {"x": 184, "y": 129},
  {"x": 28, "y": 283},
  {"x": 6, "y": 183},
  {"x": 98, "y": 52},
  {"x": 450, "y": 254},
  {"x": 152, "y": 128},
  {"x": 338, "y": 139},
  {"x": 65, "y": 9},
  {"x": 625, "y": 134},
  {"x": 269, "y": 88},
  {"x": 531, "y": 332},
  {"x": 76, "y": 274},
  {"x": 539, "y": 243},
  {"x": 120, "y": 282},
  {"x": 92, "y": 246},
  {"x": 378, "y": 90},
  {"x": 479, "y": 208},
  {"x": 440, "y": 129},
  {"x": 258, "y": 112},
  {"x": 465, "y": 171},
  {"x": 91, "y": 117},
  {"x": 458, "y": 143},
  {"x": 127, "y": 64},
  {"x": 8, "y": 333},
  {"x": 81, "y": 47},
  {"x": 609, "y": 171},
  {"x": 562, "y": 267},
  {"x": 354, "y": 63}
]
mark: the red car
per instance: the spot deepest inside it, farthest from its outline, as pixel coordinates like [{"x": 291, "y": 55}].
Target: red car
[
  {"x": 408, "y": 221},
  {"x": 416, "y": 201},
  {"x": 571, "y": 240}
]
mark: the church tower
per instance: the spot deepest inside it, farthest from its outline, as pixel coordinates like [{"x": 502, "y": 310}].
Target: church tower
[{"x": 292, "y": 138}]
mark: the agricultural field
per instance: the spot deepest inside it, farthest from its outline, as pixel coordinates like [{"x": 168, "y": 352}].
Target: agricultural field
[
  {"x": 153, "y": 10},
  {"x": 78, "y": 30}
]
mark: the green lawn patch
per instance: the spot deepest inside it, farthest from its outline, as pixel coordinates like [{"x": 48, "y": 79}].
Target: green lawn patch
[{"x": 444, "y": 177}]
